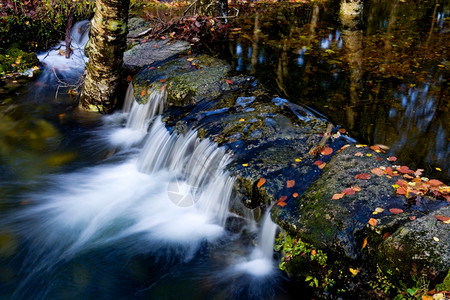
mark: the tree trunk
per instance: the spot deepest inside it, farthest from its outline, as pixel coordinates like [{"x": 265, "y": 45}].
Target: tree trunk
[{"x": 107, "y": 42}]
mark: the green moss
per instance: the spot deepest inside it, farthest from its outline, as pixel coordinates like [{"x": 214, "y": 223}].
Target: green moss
[
  {"x": 14, "y": 60},
  {"x": 445, "y": 285}
]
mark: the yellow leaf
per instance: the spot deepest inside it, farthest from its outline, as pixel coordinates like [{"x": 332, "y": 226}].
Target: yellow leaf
[
  {"x": 368, "y": 155},
  {"x": 298, "y": 159},
  {"x": 360, "y": 146},
  {"x": 439, "y": 169},
  {"x": 241, "y": 120},
  {"x": 190, "y": 59},
  {"x": 354, "y": 271},
  {"x": 245, "y": 165}
]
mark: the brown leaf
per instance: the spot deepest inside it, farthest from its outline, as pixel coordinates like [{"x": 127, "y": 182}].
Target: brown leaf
[
  {"x": 337, "y": 196},
  {"x": 378, "y": 158},
  {"x": 261, "y": 182},
  {"x": 377, "y": 171},
  {"x": 348, "y": 191},
  {"x": 290, "y": 183},
  {"x": 362, "y": 176},
  {"x": 373, "y": 222},
  {"x": 385, "y": 235},
  {"x": 326, "y": 151},
  {"x": 396, "y": 211},
  {"x": 342, "y": 130}
]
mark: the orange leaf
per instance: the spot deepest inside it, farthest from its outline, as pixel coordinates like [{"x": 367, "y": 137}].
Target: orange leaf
[
  {"x": 261, "y": 182},
  {"x": 143, "y": 93},
  {"x": 348, "y": 191},
  {"x": 229, "y": 81},
  {"x": 342, "y": 130},
  {"x": 337, "y": 196},
  {"x": 402, "y": 183},
  {"x": 404, "y": 170},
  {"x": 406, "y": 176},
  {"x": 322, "y": 166},
  {"x": 375, "y": 148},
  {"x": 290, "y": 183},
  {"x": 356, "y": 188},
  {"x": 129, "y": 78},
  {"x": 385, "y": 236},
  {"x": 362, "y": 176},
  {"x": 401, "y": 191},
  {"x": 281, "y": 203},
  {"x": 396, "y": 211},
  {"x": 435, "y": 182},
  {"x": 295, "y": 195},
  {"x": 156, "y": 46},
  {"x": 318, "y": 162},
  {"x": 443, "y": 218},
  {"x": 163, "y": 80},
  {"x": 377, "y": 171},
  {"x": 163, "y": 88},
  {"x": 392, "y": 158},
  {"x": 373, "y": 222},
  {"x": 282, "y": 198},
  {"x": 313, "y": 252},
  {"x": 326, "y": 151},
  {"x": 359, "y": 154},
  {"x": 364, "y": 243}
]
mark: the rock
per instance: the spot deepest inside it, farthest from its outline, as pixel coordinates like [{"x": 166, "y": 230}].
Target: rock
[
  {"x": 419, "y": 247},
  {"x": 149, "y": 52},
  {"x": 340, "y": 225},
  {"x": 136, "y": 26}
]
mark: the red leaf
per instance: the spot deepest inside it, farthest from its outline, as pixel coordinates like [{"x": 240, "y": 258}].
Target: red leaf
[
  {"x": 229, "y": 81},
  {"x": 342, "y": 130},
  {"x": 435, "y": 182},
  {"x": 378, "y": 158},
  {"x": 442, "y": 218},
  {"x": 348, "y": 191},
  {"x": 404, "y": 170},
  {"x": 396, "y": 211},
  {"x": 362, "y": 176},
  {"x": 392, "y": 158},
  {"x": 282, "y": 198},
  {"x": 151, "y": 68},
  {"x": 290, "y": 183},
  {"x": 385, "y": 236},
  {"x": 401, "y": 191},
  {"x": 402, "y": 183},
  {"x": 326, "y": 151},
  {"x": 318, "y": 162},
  {"x": 412, "y": 218}
]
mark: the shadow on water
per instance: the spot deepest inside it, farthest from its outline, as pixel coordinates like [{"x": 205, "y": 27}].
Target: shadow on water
[{"x": 380, "y": 70}]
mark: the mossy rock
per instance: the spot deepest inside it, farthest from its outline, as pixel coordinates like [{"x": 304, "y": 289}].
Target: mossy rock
[{"x": 419, "y": 247}]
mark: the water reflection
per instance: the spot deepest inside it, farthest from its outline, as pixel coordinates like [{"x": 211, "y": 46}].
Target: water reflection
[{"x": 380, "y": 70}]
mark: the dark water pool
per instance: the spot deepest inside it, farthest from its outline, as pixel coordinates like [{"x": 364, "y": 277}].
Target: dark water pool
[{"x": 380, "y": 70}]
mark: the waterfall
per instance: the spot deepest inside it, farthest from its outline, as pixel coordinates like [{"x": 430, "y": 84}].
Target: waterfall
[
  {"x": 129, "y": 99},
  {"x": 140, "y": 114}
]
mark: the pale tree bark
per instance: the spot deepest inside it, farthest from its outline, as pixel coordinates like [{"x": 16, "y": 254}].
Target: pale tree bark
[{"x": 107, "y": 42}]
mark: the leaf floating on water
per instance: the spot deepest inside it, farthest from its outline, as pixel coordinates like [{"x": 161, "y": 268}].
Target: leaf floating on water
[
  {"x": 261, "y": 182},
  {"x": 281, "y": 202},
  {"x": 404, "y": 170},
  {"x": 318, "y": 162},
  {"x": 321, "y": 166},
  {"x": 373, "y": 222},
  {"x": 362, "y": 176},
  {"x": 129, "y": 78},
  {"x": 190, "y": 59},
  {"x": 392, "y": 158},
  {"x": 360, "y": 146},
  {"x": 368, "y": 154},
  {"x": 326, "y": 151},
  {"x": 401, "y": 191},
  {"x": 295, "y": 195},
  {"x": 443, "y": 219},
  {"x": 298, "y": 160},
  {"x": 290, "y": 183},
  {"x": 342, "y": 130},
  {"x": 337, "y": 196},
  {"x": 396, "y": 211}
]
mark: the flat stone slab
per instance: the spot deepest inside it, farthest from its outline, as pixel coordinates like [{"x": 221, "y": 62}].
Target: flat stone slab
[{"x": 149, "y": 52}]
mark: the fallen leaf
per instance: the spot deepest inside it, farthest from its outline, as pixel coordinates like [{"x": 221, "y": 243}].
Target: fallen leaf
[
  {"x": 163, "y": 88},
  {"x": 129, "y": 78},
  {"x": 241, "y": 120},
  {"x": 406, "y": 176},
  {"x": 356, "y": 188},
  {"x": 290, "y": 183},
  {"x": 261, "y": 182},
  {"x": 229, "y": 81},
  {"x": 359, "y": 154},
  {"x": 378, "y": 158},
  {"x": 375, "y": 148},
  {"x": 404, "y": 170},
  {"x": 143, "y": 93},
  {"x": 342, "y": 130},
  {"x": 298, "y": 160},
  {"x": 354, "y": 271},
  {"x": 326, "y": 151},
  {"x": 364, "y": 243},
  {"x": 318, "y": 162},
  {"x": 385, "y": 235},
  {"x": 163, "y": 80},
  {"x": 373, "y": 222},
  {"x": 443, "y": 219},
  {"x": 418, "y": 172},
  {"x": 245, "y": 165},
  {"x": 362, "y": 176},
  {"x": 392, "y": 158},
  {"x": 377, "y": 171},
  {"x": 436, "y": 238},
  {"x": 396, "y": 211},
  {"x": 151, "y": 68},
  {"x": 401, "y": 191},
  {"x": 281, "y": 203},
  {"x": 382, "y": 147},
  {"x": 322, "y": 166},
  {"x": 435, "y": 182},
  {"x": 360, "y": 146},
  {"x": 190, "y": 59},
  {"x": 156, "y": 46},
  {"x": 379, "y": 210},
  {"x": 337, "y": 196},
  {"x": 412, "y": 218},
  {"x": 282, "y": 198},
  {"x": 295, "y": 195},
  {"x": 368, "y": 154},
  {"x": 439, "y": 169},
  {"x": 348, "y": 191},
  {"x": 427, "y": 297},
  {"x": 163, "y": 37}
]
